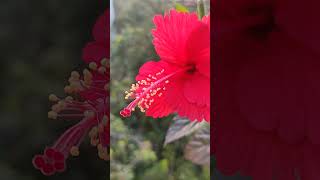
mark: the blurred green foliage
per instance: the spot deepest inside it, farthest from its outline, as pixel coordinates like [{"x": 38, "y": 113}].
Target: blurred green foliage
[{"x": 137, "y": 150}]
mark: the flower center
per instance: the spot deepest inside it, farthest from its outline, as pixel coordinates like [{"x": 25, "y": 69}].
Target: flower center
[
  {"x": 191, "y": 69},
  {"x": 146, "y": 91}
]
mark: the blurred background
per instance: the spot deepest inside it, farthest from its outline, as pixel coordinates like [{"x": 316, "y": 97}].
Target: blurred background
[
  {"x": 137, "y": 150},
  {"x": 41, "y": 44}
]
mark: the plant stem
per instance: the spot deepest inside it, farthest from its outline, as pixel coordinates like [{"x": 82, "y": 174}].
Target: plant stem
[{"x": 200, "y": 8}]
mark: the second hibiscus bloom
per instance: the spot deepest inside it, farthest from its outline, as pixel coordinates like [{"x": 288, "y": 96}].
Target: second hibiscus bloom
[{"x": 180, "y": 81}]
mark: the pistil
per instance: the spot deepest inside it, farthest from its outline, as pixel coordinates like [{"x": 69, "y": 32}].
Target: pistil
[{"x": 146, "y": 91}]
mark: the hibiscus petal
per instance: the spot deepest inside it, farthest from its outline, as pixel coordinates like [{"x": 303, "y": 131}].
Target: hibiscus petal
[
  {"x": 173, "y": 98},
  {"x": 101, "y": 30},
  {"x": 261, "y": 168},
  {"x": 312, "y": 100},
  {"x": 309, "y": 167},
  {"x": 160, "y": 107},
  {"x": 197, "y": 90},
  {"x": 95, "y": 52},
  {"x": 284, "y": 163},
  {"x": 291, "y": 127},
  {"x": 302, "y": 24},
  {"x": 271, "y": 88},
  {"x": 206, "y": 20},
  {"x": 171, "y": 34},
  {"x": 198, "y": 49},
  {"x": 258, "y": 92},
  {"x": 232, "y": 150},
  {"x": 185, "y": 108}
]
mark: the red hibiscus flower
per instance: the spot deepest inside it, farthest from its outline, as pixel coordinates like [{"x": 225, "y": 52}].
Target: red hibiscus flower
[
  {"x": 88, "y": 103},
  {"x": 180, "y": 81},
  {"x": 268, "y": 90},
  {"x": 99, "y": 48}
]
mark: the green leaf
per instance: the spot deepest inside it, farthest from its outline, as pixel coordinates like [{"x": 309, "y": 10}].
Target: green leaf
[
  {"x": 200, "y": 8},
  {"x": 181, "y": 8},
  {"x": 198, "y": 148},
  {"x": 180, "y": 128}
]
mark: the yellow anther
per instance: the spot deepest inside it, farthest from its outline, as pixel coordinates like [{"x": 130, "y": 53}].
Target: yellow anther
[
  {"x": 104, "y": 62},
  {"x": 86, "y": 72},
  {"x": 146, "y": 105},
  {"x": 75, "y": 75},
  {"x": 52, "y": 115},
  {"x": 53, "y": 98},
  {"x": 68, "y": 89},
  {"x": 71, "y": 79},
  {"x": 61, "y": 104},
  {"x": 74, "y": 151},
  {"x": 93, "y": 132},
  {"x": 87, "y": 77},
  {"x": 103, "y": 155},
  {"x": 87, "y": 81},
  {"x": 93, "y": 66},
  {"x": 69, "y": 98},
  {"x": 75, "y": 85},
  {"x": 55, "y": 108},
  {"x": 94, "y": 141},
  {"x": 102, "y": 70},
  {"x": 103, "y": 152},
  {"x": 100, "y": 147}
]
